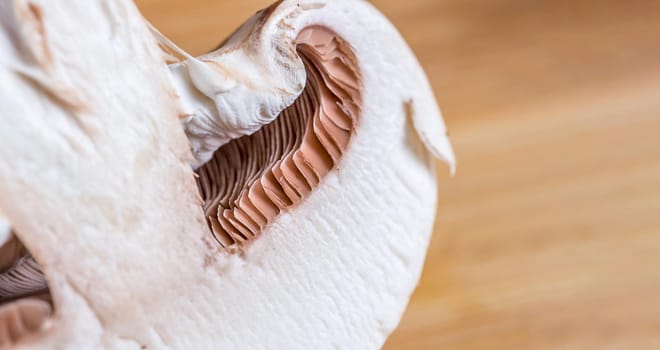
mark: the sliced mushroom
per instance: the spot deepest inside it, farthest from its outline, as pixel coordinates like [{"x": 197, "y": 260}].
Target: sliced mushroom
[{"x": 276, "y": 193}]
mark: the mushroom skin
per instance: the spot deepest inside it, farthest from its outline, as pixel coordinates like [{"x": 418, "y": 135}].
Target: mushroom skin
[{"x": 97, "y": 180}]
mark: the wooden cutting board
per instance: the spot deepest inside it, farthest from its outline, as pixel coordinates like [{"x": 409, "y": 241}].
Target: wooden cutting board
[{"x": 548, "y": 237}]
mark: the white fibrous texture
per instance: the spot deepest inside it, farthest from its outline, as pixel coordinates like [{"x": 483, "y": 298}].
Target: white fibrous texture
[{"x": 276, "y": 193}]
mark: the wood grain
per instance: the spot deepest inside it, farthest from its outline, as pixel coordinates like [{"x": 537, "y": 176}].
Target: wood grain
[{"x": 549, "y": 235}]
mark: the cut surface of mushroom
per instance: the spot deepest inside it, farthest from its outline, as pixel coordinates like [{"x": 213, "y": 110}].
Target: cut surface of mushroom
[{"x": 250, "y": 180}]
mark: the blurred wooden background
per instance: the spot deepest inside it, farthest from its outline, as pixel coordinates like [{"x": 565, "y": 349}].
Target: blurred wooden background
[{"x": 549, "y": 235}]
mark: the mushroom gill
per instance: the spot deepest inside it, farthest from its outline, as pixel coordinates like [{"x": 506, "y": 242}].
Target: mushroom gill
[
  {"x": 25, "y": 301},
  {"x": 252, "y": 179}
]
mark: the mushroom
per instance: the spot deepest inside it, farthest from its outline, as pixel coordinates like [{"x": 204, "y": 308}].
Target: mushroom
[{"x": 276, "y": 193}]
